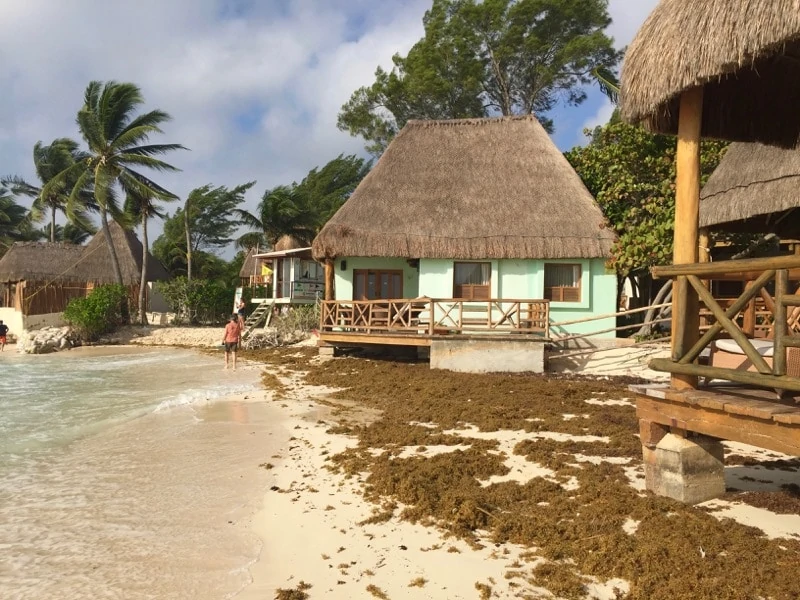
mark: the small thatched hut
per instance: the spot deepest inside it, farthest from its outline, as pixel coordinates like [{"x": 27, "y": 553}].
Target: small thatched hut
[
  {"x": 40, "y": 278},
  {"x": 745, "y": 55},
  {"x": 472, "y": 209},
  {"x": 289, "y": 272},
  {"x": 755, "y": 188}
]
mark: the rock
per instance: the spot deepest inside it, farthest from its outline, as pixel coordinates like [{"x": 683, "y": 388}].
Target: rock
[{"x": 45, "y": 340}]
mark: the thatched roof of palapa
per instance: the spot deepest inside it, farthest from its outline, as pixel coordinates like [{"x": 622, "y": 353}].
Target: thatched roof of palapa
[
  {"x": 746, "y": 55},
  {"x": 248, "y": 264},
  {"x": 288, "y": 242},
  {"x": 469, "y": 189},
  {"x": 752, "y": 189},
  {"x": 96, "y": 265},
  {"x": 39, "y": 261}
]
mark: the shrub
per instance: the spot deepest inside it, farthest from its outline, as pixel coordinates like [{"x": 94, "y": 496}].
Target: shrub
[
  {"x": 103, "y": 310},
  {"x": 198, "y": 300},
  {"x": 303, "y": 317}
]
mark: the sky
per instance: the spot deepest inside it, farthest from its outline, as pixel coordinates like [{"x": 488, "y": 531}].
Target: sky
[{"x": 254, "y": 86}]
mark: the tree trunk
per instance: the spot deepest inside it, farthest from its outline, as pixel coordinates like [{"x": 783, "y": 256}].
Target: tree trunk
[
  {"x": 53, "y": 224},
  {"x": 110, "y": 243},
  {"x": 188, "y": 242},
  {"x": 143, "y": 281}
]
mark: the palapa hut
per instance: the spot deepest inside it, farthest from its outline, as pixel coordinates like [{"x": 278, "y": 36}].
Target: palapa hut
[
  {"x": 727, "y": 69},
  {"x": 474, "y": 209},
  {"x": 40, "y": 278},
  {"x": 289, "y": 273},
  {"x": 755, "y": 189}
]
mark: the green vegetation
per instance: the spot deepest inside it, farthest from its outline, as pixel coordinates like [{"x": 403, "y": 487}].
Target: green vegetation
[
  {"x": 101, "y": 311},
  {"x": 49, "y": 161},
  {"x": 484, "y": 58},
  {"x": 198, "y": 300}
]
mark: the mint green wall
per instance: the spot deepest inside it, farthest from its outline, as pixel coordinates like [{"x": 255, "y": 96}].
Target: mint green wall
[
  {"x": 344, "y": 279},
  {"x": 512, "y": 279}
]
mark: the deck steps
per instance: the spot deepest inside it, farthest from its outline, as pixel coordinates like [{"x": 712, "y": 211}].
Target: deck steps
[{"x": 263, "y": 312}]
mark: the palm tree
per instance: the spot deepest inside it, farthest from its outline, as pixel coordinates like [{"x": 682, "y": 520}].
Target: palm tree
[
  {"x": 69, "y": 233},
  {"x": 49, "y": 161},
  {"x": 117, "y": 141},
  {"x": 14, "y": 224},
  {"x": 282, "y": 211},
  {"x": 143, "y": 206}
]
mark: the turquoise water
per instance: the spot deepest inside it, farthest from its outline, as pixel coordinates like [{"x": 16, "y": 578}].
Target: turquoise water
[{"x": 125, "y": 474}]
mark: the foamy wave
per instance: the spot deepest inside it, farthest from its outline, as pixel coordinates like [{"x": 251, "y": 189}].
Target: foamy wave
[{"x": 204, "y": 395}]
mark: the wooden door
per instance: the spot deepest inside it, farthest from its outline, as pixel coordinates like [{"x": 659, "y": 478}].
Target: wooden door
[{"x": 371, "y": 284}]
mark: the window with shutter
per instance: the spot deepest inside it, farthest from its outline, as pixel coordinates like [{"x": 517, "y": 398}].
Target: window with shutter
[
  {"x": 472, "y": 280},
  {"x": 562, "y": 282}
]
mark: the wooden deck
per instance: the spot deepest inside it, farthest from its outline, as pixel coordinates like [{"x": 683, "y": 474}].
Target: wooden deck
[
  {"x": 729, "y": 412},
  {"x": 416, "y": 322}
]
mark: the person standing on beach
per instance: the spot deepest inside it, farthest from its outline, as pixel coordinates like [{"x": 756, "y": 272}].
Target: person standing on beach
[
  {"x": 3, "y": 334},
  {"x": 241, "y": 310},
  {"x": 231, "y": 339}
]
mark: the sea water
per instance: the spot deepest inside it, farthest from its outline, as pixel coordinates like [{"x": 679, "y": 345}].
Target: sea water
[{"x": 123, "y": 475}]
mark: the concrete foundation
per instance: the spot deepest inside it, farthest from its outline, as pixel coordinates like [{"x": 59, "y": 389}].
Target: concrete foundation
[
  {"x": 685, "y": 469},
  {"x": 487, "y": 355}
]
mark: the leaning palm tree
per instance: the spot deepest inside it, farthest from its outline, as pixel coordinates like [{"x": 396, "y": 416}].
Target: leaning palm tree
[
  {"x": 282, "y": 211},
  {"x": 14, "y": 224},
  {"x": 69, "y": 233},
  {"x": 48, "y": 162},
  {"x": 117, "y": 141},
  {"x": 141, "y": 207}
]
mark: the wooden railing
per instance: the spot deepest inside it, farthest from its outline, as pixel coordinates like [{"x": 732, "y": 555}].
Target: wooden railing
[
  {"x": 759, "y": 272},
  {"x": 431, "y": 316}
]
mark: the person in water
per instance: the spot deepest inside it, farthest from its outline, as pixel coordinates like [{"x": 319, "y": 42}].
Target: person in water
[
  {"x": 231, "y": 339},
  {"x": 3, "y": 334}
]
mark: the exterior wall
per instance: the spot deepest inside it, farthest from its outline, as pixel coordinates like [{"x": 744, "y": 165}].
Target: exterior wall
[
  {"x": 17, "y": 322},
  {"x": 344, "y": 278},
  {"x": 512, "y": 279},
  {"x": 13, "y": 319},
  {"x": 487, "y": 355}
]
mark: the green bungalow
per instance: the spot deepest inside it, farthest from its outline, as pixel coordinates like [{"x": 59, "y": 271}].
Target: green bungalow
[{"x": 470, "y": 226}]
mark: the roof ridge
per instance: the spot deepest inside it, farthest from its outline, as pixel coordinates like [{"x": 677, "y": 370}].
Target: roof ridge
[{"x": 470, "y": 121}]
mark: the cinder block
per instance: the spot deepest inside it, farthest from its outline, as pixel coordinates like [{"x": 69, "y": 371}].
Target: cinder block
[
  {"x": 326, "y": 350},
  {"x": 686, "y": 469}
]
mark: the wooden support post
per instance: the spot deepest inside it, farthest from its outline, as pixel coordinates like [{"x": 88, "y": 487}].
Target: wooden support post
[
  {"x": 779, "y": 331},
  {"x": 704, "y": 249},
  {"x": 329, "y": 291},
  {"x": 685, "y": 304}
]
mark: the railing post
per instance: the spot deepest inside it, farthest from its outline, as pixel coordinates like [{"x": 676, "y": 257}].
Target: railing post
[{"x": 779, "y": 332}]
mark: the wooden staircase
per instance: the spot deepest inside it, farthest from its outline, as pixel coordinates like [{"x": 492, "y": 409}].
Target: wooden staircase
[{"x": 263, "y": 312}]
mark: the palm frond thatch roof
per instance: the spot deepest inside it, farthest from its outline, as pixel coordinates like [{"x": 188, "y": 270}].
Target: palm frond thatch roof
[
  {"x": 746, "y": 54},
  {"x": 753, "y": 189},
  {"x": 39, "y": 261},
  {"x": 288, "y": 242},
  {"x": 248, "y": 264},
  {"x": 96, "y": 265},
  {"x": 469, "y": 189}
]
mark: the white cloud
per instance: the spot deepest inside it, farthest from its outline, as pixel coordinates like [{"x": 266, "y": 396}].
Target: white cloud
[{"x": 286, "y": 66}]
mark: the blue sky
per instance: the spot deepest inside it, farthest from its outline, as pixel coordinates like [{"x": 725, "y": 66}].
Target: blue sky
[{"x": 254, "y": 86}]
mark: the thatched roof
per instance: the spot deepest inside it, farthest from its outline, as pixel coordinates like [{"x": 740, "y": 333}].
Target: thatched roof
[
  {"x": 96, "y": 266},
  {"x": 746, "y": 55},
  {"x": 288, "y": 242},
  {"x": 248, "y": 264},
  {"x": 469, "y": 189},
  {"x": 39, "y": 261},
  {"x": 753, "y": 189}
]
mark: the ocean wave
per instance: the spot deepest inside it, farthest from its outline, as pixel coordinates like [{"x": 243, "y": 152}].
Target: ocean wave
[{"x": 202, "y": 395}]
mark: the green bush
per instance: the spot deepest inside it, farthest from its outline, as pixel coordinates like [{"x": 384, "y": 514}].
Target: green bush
[
  {"x": 198, "y": 301},
  {"x": 103, "y": 310},
  {"x": 303, "y": 317}
]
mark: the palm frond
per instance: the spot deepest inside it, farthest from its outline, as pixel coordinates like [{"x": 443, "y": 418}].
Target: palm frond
[
  {"x": 145, "y": 161},
  {"x": 608, "y": 82},
  {"x": 145, "y": 184},
  {"x": 154, "y": 149}
]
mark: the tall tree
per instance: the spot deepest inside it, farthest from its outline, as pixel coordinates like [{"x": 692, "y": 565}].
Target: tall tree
[
  {"x": 69, "y": 233},
  {"x": 631, "y": 173},
  {"x": 325, "y": 189},
  {"x": 207, "y": 218},
  {"x": 283, "y": 210},
  {"x": 118, "y": 147},
  {"x": 49, "y": 161},
  {"x": 487, "y": 57},
  {"x": 143, "y": 207},
  {"x": 14, "y": 224}
]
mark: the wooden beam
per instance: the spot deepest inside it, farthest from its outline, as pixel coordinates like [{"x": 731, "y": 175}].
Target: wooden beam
[
  {"x": 329, "y": 290},
  {"x": 779, "y": 326},
  {"x": 362, "y": 339},
  {"x": 769, "y": 434},
  {"x": 685, "y": 304},
  {"x": 746, "y": 266},
  {"x": 783, "y": 382}
]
